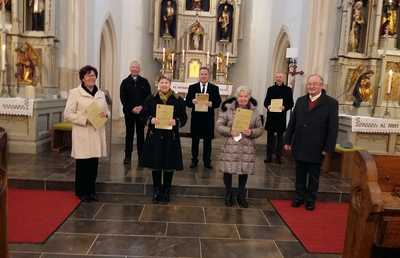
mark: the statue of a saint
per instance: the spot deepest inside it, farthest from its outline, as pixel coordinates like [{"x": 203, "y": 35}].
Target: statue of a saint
[
  {"x": 221, "y": 63},
  {"x": 196, "y": 36},
  {"x": 27, "y": 60},
  {"x": 357, "y": 28},
  {"x": 36, "y": 9},
  {"x": 168, "y": 18},
  {"x": 389, "y": 19},
  {"x": 362, "y": 89},
  {"x": 225, "y": 20}
]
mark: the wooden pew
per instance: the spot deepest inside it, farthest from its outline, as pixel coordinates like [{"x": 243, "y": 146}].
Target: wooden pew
[
  {"x": 374, "y": 214},
  {"x": 3, "y": 194}
]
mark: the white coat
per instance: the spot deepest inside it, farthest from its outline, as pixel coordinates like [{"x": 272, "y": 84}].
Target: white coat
[{"x": 87, "y": 141}]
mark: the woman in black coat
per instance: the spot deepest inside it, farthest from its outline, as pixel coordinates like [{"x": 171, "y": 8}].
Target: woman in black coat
[{"x": 162, "y": 148}]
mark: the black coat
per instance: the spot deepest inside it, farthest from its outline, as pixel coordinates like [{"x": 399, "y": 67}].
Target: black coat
[
  {"x": 310, "y": 132},
  {"x": 162, "y": 148},
  {"x": 277, "y": 121},
  {"x": 133, "y": 93},
  {"x": 202, "y": 123}
]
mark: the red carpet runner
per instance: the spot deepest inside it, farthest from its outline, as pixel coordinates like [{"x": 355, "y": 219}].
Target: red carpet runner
[
  {"x": 34, "y": 215},
  {"x": 320, "y": 231}
]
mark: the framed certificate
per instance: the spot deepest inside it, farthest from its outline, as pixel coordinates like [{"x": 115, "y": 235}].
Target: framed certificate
[
  {"x": 93, "y": 115},
  {"x": 276, "y": 105},
  {"x": 202, "y": 102},
  {"x": 164, "y": 114},
  {"x": 242, "y": 119}
]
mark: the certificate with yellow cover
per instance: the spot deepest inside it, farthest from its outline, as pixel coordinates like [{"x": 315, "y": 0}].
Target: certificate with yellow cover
[
  {"x": 202, "y": 102},
  {"x": 93, "y": 115},
  {"x": 276, "y": 105},
  {"x": 242, "y": 119},
  {"x": 164, "y": 114}
]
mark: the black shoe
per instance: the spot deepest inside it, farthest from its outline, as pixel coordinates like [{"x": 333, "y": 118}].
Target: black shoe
[
  {"x": 93, "y": 197},
  {"x": 268, "y": 160},
  {"x": 193, "y": 165},
  {"x": 156, "y": 195},
  {"x": 310, "y": 206},
  {"x": 208, "y": 166},
  {"x": 297, "y": 203},
  {"x": 228, "y": 198},
  {"x": 127, "y": 160},
  {"x": 85, "y": 198},
  {"x": 242, "y": 201},
  {"x": 165, "y": 196},
  {"x": 278, "y": 160}
]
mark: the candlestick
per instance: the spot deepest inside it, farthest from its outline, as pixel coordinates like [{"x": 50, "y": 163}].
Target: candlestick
[
  {"x": 217, "y": 63},
  {"x": 163, "y": 54},
  {"x": 227, "y": 58},
  {"x": 389, "y": 88},
  {"x": 3, "y": 56},
  {"x": 183, "y": 56},
  {"x": 172, "y": 60},
  {"x": 208, "y": 58}
]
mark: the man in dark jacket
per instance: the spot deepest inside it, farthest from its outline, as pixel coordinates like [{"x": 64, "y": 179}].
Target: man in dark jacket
[
  {"x": 134, "y": 90},
  {"x": 202, "y": 123},
  {"x": 311, "y": 134},
  {"x": 276, "y": 121}
]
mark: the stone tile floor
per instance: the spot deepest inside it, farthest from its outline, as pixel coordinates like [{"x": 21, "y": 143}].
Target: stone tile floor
[{"x": 124, "y": 223}]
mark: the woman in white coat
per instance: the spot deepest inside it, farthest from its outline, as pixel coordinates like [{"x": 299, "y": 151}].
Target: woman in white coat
[{"x": 88, "y": 143}]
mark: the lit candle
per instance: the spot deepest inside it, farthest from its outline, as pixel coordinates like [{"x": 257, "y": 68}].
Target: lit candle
[
  {"x": 163, "y": 54},
  {"x": 3, "y": 57},
  {"x": 208, "y": 57},
  {"x": 227, "y": 58},
  {"x": 389, "y": 88},
  {"x": 217, "y": 63},
  {"x": 183, "y": 56}
]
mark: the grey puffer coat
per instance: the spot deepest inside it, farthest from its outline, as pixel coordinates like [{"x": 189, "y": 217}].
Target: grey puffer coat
[{"x": 238, "y": 157}]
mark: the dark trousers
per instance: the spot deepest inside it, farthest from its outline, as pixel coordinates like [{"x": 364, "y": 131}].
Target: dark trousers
[
  {"x": 165, "y": 176},
  {"x": 307, "y": 180},
  {"x": 274, "y": 143},
  {"x": 85, "y": 176},
  {"x": 207, "y": 146},
  {"x": 132, "y": 121},
  {"x": 242, "y": 183}
]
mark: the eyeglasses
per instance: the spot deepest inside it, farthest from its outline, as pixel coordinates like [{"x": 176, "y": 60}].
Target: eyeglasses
[{"x": 314, "y": 84}]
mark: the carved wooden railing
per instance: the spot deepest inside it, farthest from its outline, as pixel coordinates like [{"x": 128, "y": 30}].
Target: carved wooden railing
[{"x": 3, "y": 194}]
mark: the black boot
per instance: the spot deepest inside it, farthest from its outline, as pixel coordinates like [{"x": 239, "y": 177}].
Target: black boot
[
  {"x": 228, "y": 189},
  {"x": 156, "y": 186},
  {"x": 167, "y": 178},
  {"x": 241, "y": 198}
]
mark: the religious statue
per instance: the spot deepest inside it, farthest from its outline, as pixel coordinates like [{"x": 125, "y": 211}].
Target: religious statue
[
  {"x": 198, "y": 5},
  {"x": 389, "y": 19},
  {"x": 221, "y": 63},
  {"x": 36, "y": 9},
  {"x": 358, "y": 24},
  {"x": 361, "y": 81},
  {"x": 27, "y": 61},
  {"x": 196, "y": 36},
  {"x": 225, "y": 19},
  {"x": 168, "y": 18},
  {"x": 6, "y": 4}
]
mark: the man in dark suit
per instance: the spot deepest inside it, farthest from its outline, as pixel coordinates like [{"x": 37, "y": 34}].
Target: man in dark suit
[
  {"x": 276, "y": 121},
  {"x": 311, "y": 135},
  {"x": 202, "y": 123},
  {"x": 133, "y": 92}
]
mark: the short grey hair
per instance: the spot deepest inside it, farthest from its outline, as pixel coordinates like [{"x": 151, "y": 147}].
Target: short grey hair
[
  {"x": 134, "y": 62},
  {"x": 316, "y": 75},
  {"x": 242, "y": 88}
]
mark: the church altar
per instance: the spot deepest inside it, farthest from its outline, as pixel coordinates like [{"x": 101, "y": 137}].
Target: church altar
[
  {"x": 29, "y": 124},
  {"x": 377, "y": 135}
]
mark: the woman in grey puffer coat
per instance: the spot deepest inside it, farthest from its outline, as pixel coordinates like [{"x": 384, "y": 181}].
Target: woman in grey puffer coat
[{"x": 238, "y": 155}]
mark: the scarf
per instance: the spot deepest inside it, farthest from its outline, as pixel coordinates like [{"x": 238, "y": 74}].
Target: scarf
[{"x": 165, "y": 96}]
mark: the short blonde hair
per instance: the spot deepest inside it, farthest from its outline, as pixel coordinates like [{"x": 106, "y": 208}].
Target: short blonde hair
[{"x": 242, "y": 88}]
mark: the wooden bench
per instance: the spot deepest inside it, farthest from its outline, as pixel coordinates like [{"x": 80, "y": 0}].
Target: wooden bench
[
  {"x": 340, "y": 161},
  {"x": 61, "y": 136},
  {"x": 3, "y": 194},
  {"x": 373, "y": 226}
]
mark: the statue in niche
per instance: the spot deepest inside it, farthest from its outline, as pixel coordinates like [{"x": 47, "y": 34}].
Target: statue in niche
[
  {"x": 36, "y": 11},
  {"x": 168, "y": 18},
  {"x": 6, "y": 4},
  {"x": 360, "y": 83},
  {"x": 225, "y": 22},
  {"x": 357, "y": 29},
  {"x": 198, "y": 5},
  {"x": 27, "y": 61},
  {"x": 389, "y": 19},
  {"x": 196, "y": 36},
  {"x": 221, "y": 63}
]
